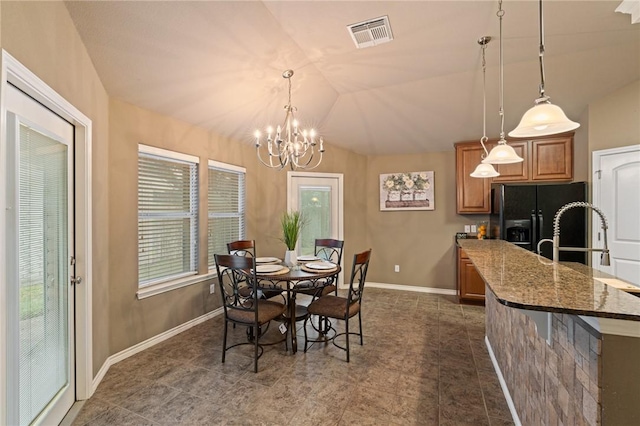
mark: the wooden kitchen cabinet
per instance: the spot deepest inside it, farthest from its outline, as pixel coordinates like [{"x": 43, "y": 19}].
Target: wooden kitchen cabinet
[
  {"x": 545, "y": 160},
  {"x": 470, "y": 283},
  {"x": 515, "y": 172},
  {"x": 552, "y": 159},
  {"x": 472, "y": 193}
]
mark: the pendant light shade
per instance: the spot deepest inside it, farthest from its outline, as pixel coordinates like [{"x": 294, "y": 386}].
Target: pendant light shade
[
  {"x": 484, "y": 171},
  {"x": 502, "y": 154},
  {"x": 543, "y": 119}
]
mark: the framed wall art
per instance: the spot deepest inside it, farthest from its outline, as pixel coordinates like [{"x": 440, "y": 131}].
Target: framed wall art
[{"x": 407, "y": 191}]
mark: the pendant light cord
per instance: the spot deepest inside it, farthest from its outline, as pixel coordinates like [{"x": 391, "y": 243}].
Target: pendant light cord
[
  {"x": 500, "y": 14},
  {"x": 541, "y": 54},
  {"x": 484, "y": 138}
]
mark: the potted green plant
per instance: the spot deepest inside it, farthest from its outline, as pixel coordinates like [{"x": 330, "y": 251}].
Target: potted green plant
[{"x": 292, "y": 223}]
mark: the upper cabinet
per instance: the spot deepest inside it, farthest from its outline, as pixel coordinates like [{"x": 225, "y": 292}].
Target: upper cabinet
[
  {"x": 472, "y": 193},
  {"x": 545, "y": 160},
  {"x": 552, "y": 159},
  {"x": 515, "y": 172}
]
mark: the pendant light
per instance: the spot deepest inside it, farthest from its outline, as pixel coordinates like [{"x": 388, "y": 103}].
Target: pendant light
[
  {"x": 502, "y": 153},
  {"x": 484, "y": 170},
  {"x": 543, "y": 118}
]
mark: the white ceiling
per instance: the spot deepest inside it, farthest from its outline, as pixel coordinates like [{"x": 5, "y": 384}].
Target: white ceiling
[{"x": 219, "y": 64}]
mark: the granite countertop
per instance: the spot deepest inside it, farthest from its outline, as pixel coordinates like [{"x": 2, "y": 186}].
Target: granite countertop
[{"x": 522, "y": 279}]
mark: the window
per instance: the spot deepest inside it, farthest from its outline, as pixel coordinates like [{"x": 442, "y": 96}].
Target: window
[
  {"x": 226, "y": 207},
  {"x": 167, "y": 215}
]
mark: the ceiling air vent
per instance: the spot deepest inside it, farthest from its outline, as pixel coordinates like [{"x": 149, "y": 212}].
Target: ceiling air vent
[{"x": 371, "y": 33}]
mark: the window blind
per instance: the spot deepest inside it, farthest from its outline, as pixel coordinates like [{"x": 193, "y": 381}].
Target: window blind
[
  {"x": 167, "y": 218},
  {"x": 43, "y": 259},
  {"x": 226, "y": 206}
]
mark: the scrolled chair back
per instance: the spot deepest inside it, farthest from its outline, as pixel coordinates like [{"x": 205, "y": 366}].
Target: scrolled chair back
[
  {"x": 245, "y": 248},
  {"x": 358, "y": 276},
  {"x": 232, "y": 271},
  {"x": 329, "y": 249}
]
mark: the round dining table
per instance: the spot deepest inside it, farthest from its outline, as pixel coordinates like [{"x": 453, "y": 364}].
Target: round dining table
[{"x": 289, "y": 280}]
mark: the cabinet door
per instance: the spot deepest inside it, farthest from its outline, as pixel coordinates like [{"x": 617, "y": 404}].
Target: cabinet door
[
  {"x": 552, "y": 159},
  {"x": 470, "y": 283},
  {"x": 472, "y": 193},
  {"x": 515, "y": 172}
]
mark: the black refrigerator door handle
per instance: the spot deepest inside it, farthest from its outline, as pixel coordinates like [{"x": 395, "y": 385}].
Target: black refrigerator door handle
[
  {"x": 534, "y": 231},
  {"x": 539, "y": 236}
]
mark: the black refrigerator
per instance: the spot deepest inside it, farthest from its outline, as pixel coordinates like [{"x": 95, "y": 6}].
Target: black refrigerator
[{"x": 523, "y": 214}]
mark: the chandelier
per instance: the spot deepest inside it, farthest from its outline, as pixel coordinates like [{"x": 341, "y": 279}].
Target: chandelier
[{"x": 290, "y": 145}]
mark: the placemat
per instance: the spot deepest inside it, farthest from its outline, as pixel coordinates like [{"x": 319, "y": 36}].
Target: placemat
[{"x": 282, "y": 271}]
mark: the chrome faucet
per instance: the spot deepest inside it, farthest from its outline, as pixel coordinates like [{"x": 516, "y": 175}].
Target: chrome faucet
[{"x": 604, "y": 257}]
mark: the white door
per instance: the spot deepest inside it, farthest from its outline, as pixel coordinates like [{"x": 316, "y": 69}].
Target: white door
[
  {"x": 319, "y": 197},
  {"x": 40, "y": 240},
  {"x": 617, "y": 193}
]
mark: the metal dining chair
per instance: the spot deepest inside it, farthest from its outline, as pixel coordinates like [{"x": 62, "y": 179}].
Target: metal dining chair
[
  {"x": 249, "y": 311},
  {"x": 247, "y": 248},
  {"x": 329, "y": 250},
  {"x": 343, "y": 308}
]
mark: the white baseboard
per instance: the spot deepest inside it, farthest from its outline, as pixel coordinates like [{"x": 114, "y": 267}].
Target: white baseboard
[
  {"x": 503, "y": 384},
  {"x": 401, "y": 287},
  {"x": 126, "y": 353}
]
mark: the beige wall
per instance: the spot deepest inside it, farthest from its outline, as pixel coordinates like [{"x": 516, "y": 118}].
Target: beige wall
[
  {"x": 581, "y": 151},
  {"x": 421, "y": 242},
  {"x": 614, "y": 120},
  {"x": 133, "y": 320},
  {"x": 42, "y": 37}
]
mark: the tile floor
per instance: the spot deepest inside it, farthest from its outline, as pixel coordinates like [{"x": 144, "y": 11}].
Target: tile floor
[{"x": 423, "y": 362}]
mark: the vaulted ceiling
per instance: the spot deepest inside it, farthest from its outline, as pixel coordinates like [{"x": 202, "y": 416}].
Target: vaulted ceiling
[{"x": 219, "y": 64}]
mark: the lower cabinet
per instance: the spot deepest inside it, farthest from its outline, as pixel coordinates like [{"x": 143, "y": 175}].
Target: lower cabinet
[{"x": 470, "y": 283}]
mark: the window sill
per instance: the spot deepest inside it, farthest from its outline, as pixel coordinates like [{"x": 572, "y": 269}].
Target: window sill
[{"x": 154, "y": 290}]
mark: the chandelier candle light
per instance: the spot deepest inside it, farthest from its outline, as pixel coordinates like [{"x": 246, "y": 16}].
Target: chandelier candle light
[
  {"x": 502, "y": 153},
  {"x": 290, "y": 145},
  {"x": 484, "y": 170},
  {"x": 543, "y": 118}
]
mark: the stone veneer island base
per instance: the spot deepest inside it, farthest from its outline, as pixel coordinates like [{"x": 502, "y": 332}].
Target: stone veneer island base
[{"x": 548, "y": 329}]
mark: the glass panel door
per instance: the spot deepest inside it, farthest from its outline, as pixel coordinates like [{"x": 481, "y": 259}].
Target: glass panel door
[
  {"x": 315, "y": 205},
  {"x": 319, "y": 197},
  {"x": 40, "y": 240}
]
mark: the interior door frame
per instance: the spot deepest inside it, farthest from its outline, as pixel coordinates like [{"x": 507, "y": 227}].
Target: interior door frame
[
  {"x": 18, "y": 75},
  {"x": 314, "y": 175},
  {"x": 317, "y": 175},
  {"x": 596, "y": 191}
]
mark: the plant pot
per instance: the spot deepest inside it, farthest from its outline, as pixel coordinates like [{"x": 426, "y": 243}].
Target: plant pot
[{"x": 290, "y": 258}]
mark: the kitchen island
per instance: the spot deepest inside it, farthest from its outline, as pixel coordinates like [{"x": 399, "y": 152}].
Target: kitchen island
[{"x": 565, "y": 345}]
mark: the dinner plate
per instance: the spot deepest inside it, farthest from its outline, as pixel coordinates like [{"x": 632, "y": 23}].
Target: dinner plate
[
  {"x": 308, "y": 258},
  {"x": 267, "y": 260},
  {"x": 320, "y": 265},
  {"x": 262, "y": 269}
]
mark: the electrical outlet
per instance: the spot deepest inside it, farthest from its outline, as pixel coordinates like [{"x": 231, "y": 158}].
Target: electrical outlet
[
  {"x": 212, "y": 288},
  {"x": 396, "y": 268},
  {"x": 467, "y": 228},
  {"x": 473, "y": 228}
]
